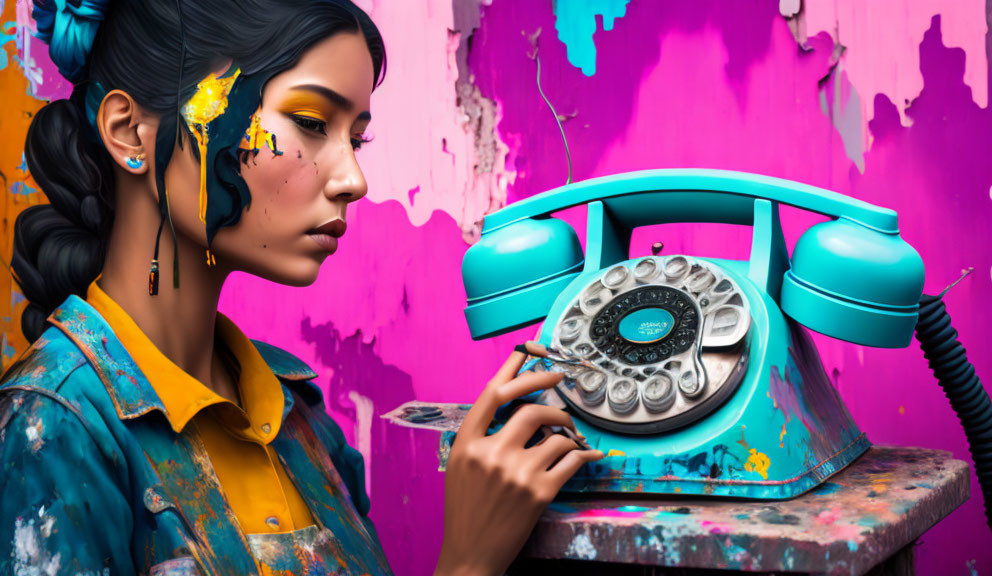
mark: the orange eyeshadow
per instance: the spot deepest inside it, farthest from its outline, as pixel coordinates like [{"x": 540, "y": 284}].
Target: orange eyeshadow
[{"x": 303, "y": 104}]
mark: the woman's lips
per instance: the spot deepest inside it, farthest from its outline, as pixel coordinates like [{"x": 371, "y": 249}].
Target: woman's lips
[
  {"x": 326, "y": 242},
  {"x": 335, "y": 227},
  {"x": 326, "y": 235}
]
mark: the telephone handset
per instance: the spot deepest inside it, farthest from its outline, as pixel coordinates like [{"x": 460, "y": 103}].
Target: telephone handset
[
  {"x": 847, "y": 273},
  {"x": 695, "y": 373}
]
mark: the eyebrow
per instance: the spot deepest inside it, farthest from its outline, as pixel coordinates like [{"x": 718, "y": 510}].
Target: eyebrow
[{"x": 333, "y": 97}]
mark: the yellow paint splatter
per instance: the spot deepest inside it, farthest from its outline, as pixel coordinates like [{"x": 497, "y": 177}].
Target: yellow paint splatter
[
  {"x": 781, "y": 438},
  {"x": 615, "y": 453},
  {"x": 257, "y": 137},
  {"x": 880, "y": 482},
  {"x": 209, "y": 102},
  {"x": 902, "y": 410},
  {"x": 758, "y": 462}
]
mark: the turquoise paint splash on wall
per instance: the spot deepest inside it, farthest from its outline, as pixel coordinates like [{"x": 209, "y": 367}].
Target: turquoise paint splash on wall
[{"x": 575, "y": 21}]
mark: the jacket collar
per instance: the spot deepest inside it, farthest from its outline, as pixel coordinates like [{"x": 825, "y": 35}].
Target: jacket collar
[{"x": 128, "y": 388}]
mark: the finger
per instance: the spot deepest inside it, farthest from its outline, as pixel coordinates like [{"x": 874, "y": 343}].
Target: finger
[
  {"x": 550, "y": 451},
  {"x": 510, "y": 367},
  {"x": 525, "y": 422},
  {"x": 570, "y": 464},
  {"x": 536, "y": 349},
  {"x": 527, "y": 383},
  {"x": 481, "y": 414}
]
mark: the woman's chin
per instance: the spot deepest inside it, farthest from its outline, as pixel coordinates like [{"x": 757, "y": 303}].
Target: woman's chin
[{"x": 299, "y": 275}]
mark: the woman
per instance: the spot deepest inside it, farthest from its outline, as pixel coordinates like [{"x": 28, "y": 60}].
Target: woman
[{"x": 142, "y": 432}]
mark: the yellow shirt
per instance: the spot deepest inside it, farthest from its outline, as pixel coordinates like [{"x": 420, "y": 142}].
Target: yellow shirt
[{"x": 237, "y": 440}]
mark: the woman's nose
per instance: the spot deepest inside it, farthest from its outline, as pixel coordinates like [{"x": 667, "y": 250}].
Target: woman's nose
[{"x": 346, "y": 181}]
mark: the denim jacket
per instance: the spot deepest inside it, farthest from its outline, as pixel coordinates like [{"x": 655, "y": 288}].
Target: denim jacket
[{"x": 93, "y": 480}]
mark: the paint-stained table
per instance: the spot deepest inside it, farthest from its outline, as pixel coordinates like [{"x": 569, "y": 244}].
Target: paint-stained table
[{"x": 863, "y": 520}]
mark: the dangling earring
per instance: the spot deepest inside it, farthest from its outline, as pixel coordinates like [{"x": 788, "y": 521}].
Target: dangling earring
[{"x": 136, "y": 161}]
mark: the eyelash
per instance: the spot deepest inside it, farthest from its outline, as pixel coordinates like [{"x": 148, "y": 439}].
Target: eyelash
[
  {"x": 309, "y": 124},
  {"x": 318, "y": 126},
  {"x": 356, "y": 143}
]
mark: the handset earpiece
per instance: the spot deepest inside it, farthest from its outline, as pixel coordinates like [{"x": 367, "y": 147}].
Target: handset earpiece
[
  {"x": 855, "y": 283},
  {"x": 514, "y": 273}
]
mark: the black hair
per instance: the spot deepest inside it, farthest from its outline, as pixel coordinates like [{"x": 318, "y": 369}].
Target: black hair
[{"x": 144, "y": 47}]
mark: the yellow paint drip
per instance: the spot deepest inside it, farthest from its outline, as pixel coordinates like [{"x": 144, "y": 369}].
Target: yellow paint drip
[
  {"x": 758, "y": 462},
  {"x": 209, "y": 102}
]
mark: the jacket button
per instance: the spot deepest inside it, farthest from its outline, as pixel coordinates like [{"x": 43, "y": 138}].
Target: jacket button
[
  {"x": 266, "y": 428},
  {"x": 272, "y": 522},
  {"x": 155, "y": 500}
]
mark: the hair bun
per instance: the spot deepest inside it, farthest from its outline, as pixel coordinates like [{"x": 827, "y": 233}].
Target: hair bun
[{"x": 69, "y": 28}]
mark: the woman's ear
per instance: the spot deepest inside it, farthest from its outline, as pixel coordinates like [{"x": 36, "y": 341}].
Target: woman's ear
[{"x": 128, "y": 133}]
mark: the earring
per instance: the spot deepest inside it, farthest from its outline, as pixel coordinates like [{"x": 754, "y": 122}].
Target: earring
[{"x": 136, "y": 161}]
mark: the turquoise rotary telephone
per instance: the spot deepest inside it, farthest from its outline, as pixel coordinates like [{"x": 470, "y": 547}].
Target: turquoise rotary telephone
[{"x": 695, "y": 374}]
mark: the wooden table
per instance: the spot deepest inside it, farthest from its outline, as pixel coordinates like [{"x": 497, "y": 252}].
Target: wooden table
[{"x": 863, "y": 520}]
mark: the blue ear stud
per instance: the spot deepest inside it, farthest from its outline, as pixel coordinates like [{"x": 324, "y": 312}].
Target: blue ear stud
[{"x": 136, "y": 161}]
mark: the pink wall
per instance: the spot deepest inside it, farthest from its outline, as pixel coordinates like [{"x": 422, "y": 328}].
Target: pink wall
[{"x": 899, "y": 117}]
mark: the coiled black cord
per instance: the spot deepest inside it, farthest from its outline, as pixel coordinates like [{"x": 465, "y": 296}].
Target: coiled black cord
[{"x": 949, "y": 363}]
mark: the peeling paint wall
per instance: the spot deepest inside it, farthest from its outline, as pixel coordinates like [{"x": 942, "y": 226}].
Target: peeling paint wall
[{"x": 886, "y": 101}]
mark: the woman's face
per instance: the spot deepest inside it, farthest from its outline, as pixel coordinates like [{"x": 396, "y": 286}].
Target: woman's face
[{"x": 317, "y": 113}]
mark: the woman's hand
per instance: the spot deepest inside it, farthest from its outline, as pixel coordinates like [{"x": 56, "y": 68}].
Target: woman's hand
[{"x": 495, "y": 489}]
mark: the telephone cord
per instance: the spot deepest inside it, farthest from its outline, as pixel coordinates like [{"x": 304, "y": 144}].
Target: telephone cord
[{"x": 949, "y": 363}]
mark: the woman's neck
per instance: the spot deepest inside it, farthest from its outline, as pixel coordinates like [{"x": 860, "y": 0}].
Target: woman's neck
[{"x": 180, "y": 322}]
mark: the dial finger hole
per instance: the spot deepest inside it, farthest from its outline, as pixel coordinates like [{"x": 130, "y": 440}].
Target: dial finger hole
[
  {"x": 725, "y": 321},
  {"x": 592, "y": 387},
  {"x": 645, "y": 270},
  {"x": 584, "y": 349},
  {"x": 616, "y": 276},
  {"x": 594, "y": 299},
  {"x": 659, "y": 393},
  {"x": 700, "y": 281},
  {"x": 676, "y": 267},
  {"x": 571, "y": 328},
  {"x": 723, "y": 287},
  {"x": 689, "y": 384},
  {"x": 622, "y": 395}
]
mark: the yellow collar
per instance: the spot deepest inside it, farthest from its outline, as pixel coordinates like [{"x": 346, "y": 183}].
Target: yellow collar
[{"x": 184, "y": 396}]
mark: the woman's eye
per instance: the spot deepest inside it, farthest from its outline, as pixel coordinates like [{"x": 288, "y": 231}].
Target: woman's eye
[{"x": 310, "y": 124}]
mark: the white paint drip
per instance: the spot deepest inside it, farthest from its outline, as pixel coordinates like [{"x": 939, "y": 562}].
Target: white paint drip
[
  {"x": 581, "y": 547},
  {"x": 363, "y": 433}
]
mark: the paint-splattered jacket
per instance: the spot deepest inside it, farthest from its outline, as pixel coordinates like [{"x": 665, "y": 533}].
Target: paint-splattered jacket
[{"x": 94, "y": 481}]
